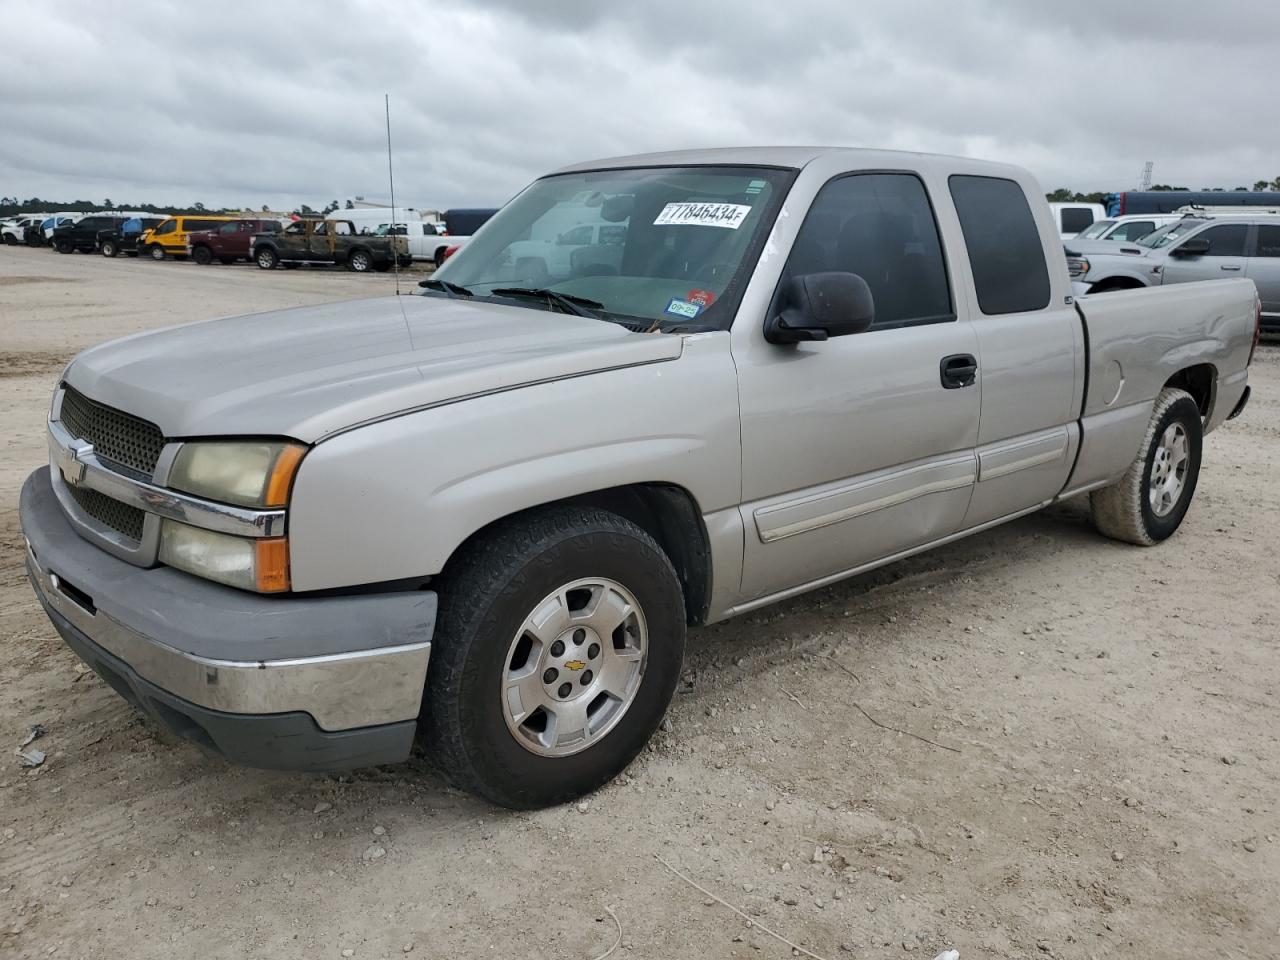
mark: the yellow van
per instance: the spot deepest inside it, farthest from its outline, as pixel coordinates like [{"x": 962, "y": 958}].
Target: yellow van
[{"x": 169, "y": 237}]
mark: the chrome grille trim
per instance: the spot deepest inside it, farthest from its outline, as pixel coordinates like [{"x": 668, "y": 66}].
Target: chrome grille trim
[{"x": 117, "y": 437}]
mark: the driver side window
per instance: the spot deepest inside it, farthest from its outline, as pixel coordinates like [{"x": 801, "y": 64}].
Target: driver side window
[{"x": 881, "y": 227}]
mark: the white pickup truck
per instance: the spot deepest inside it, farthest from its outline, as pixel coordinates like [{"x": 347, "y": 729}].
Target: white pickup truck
[{"x": 486, "y": 515}]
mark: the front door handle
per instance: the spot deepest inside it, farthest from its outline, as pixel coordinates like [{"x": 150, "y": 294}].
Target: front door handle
[
  {"x": 1230, "y": 266},
  {"x": 958, "y": 370}
]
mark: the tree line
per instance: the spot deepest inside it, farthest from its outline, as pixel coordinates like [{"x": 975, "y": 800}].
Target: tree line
[
  {"x": 13, "y": 206},
  {"x": 1066, "y": 195}
]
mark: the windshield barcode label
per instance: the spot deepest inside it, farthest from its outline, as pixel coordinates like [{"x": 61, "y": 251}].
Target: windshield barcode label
[{"x": 728, "y": 215}]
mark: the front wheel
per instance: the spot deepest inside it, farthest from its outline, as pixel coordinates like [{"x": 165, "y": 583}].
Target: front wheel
[
  {"x": 64, "y": 246},
  {"x": 1148, "y": 503},
  {"x": 360, "y": 261},
  {"x": 157, "y": 252},
  {"x": 558, "y": 646}
]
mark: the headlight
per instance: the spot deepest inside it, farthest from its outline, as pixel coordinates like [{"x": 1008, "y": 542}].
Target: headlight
[
  {"x": 260, "y": 564},
  {"x": 1077, "y": 267},
  {"x": 245, "y": 473}
]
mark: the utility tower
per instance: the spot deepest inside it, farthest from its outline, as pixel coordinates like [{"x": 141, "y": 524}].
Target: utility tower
[{"x": 1146, "y": 175}]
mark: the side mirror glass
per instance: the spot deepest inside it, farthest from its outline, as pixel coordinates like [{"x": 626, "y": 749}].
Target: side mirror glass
[
  {"x": 1195, "y": 247},
  {"x": 816, "y": 306}
]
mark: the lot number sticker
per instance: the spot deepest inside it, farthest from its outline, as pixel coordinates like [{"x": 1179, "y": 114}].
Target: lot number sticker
[{"x": 728, "y": 215}]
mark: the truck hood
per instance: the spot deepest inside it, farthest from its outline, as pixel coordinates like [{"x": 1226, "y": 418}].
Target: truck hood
[
  {"x": 309, "y": 372},
  {"x": 1125, "y": 248}
]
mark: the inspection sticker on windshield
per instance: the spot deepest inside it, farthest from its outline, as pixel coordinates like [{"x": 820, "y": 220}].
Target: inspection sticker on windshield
[
  {"x": 682, "y": 308},
  {"x": 728, "y": 215}
]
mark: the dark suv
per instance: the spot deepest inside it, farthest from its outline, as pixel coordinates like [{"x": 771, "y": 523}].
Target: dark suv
[
  {"x": 122, "y": 236},
  {"x": 83, "y": 234},
  {"x": 229, "y": 242}
]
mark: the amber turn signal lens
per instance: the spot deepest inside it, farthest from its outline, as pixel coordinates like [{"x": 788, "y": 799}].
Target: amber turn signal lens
[
  {"x": 271, "y": 564},
  {"x": 282, "y": 472}
]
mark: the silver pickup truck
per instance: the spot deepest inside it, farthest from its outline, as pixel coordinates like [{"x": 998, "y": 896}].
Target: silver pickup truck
[{"x": 487, "y": 514}]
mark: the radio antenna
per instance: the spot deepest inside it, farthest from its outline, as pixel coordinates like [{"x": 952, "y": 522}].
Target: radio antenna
[{"x": 391, "y": 178}]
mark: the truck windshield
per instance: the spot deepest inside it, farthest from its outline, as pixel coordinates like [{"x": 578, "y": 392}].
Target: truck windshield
[
  {"x": 658, "y": 246},
  {"x": 1166, "y": 235}
]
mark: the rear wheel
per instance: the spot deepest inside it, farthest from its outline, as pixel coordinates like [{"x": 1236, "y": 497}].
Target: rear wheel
[
  {"x": 266, "y": 258},
  {"x": 558, "y": 647},
  {"x": 202, "y": 256},
  {"x": 1148, "y": 503},
  {"x": 109, "y": 248},
  {"x": 64, "y": 246},
  {"x": 360, "y": 261},
  {"x": 156, "y": 252}
]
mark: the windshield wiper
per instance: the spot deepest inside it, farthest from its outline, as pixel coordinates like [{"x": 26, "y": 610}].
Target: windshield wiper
[
  {"x": 578, "y": 306},
  {"x": 444, "y": 286}
]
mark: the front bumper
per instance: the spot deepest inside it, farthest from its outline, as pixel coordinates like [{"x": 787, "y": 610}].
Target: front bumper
[{"x": 288, "y": 682}]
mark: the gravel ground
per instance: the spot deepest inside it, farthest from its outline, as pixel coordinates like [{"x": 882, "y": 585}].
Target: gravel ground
[{"x": 1033, "y": 742}]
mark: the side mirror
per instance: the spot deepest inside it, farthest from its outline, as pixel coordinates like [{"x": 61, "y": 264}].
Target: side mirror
[
  {"x": 1195, "y": 247},
  {"x": 816, "y": 306}
]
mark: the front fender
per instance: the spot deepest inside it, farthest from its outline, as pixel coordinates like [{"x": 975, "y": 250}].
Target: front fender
[{"x": 394, "y": 499}]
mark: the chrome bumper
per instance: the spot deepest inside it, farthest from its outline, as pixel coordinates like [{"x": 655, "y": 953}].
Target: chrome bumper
[{"x": 227, "y": 650}]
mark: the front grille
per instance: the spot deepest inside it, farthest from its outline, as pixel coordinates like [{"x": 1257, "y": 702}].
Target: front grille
[
  {"x": 118, "y": 516},
  {"x": 124, "y": 440}
]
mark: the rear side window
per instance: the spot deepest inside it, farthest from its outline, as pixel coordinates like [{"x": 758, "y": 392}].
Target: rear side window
[
  {"x": 1005, "y": 251},
  {"x": 1226, "y": 240},
  {"x": 881, "y": 227},
  {"x": 1268, "y": 241},
  {"x": 1075, "y": 219}
]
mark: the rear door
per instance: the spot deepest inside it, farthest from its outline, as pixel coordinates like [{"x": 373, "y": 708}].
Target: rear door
[
  {"x": 1264, "y": 270},
  {"x": 1226, "y": 256},
  {"x": 1030, "y": 341},
  {"x": 853, "y": 449}
]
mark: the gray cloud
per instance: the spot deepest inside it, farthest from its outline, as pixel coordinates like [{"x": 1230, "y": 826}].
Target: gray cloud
[{"x": 281, "y": 103}]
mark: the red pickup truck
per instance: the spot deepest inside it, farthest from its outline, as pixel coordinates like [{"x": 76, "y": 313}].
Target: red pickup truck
[{"x": 228, "y": 242}]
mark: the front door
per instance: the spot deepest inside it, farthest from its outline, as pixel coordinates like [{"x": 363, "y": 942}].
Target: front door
[
  {"x": 1226, "y": 256},
  {"x": 1264, "y": 270},
  {"x": 853, "y": 449}
]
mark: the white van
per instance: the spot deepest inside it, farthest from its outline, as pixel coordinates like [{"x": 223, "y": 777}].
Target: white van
[{"x": 1071, "y": 218}]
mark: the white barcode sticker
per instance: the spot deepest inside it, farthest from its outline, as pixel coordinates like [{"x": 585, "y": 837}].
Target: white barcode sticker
[{"x": 728, "y": 215}]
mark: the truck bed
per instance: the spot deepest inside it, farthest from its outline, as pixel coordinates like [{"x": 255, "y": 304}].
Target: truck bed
[{"x": 1136, "y": 340}]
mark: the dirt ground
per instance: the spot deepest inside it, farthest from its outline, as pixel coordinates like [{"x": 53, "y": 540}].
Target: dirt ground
[{"x": 1101, "y": 781}]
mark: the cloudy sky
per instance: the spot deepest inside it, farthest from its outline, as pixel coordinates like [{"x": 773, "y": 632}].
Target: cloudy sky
[{"x": 281, "y": 102}]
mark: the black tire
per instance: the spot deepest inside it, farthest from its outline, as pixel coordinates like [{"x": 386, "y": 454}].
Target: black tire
[
  {"x": 1124, "y": 510},
  {"x": 109, "y": 248},
  {"x": 361, "y": 261},
  {"x": 227, "y": 261},
  {"x": 64, "y": 245},
  {"x": 202, "y": 255},
  {"x": 266, "y": 258},
  {"x": 156, "y": 252},
  {"x": 10, "y": 240},
  {"x": 485, "y": 594},
  {"x": 439, "y": 257}
]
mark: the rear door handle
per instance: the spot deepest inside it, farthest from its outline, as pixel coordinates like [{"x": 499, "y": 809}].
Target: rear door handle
[
  {"x": 958, "y": 370},
  {"x": 1229, "y": 266}
]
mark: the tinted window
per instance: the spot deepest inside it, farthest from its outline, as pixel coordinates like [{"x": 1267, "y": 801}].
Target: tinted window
[
  {"x": 1005, "y": 252},
  {"x": 1226, "y": 240},
  {"x": 429, "y": 230},
  {"x": 881, "y": 227},
  {"x": 1133, "y": 230},
  {"x": 1268, "y": 242},
  {"x": 167, "y": 227},
  {"x": 1075, "y": 219},
  {"x": 201, "y": 224}
]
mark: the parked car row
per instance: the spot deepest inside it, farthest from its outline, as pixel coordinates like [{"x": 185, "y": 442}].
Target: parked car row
[
  {"x": 362, "y": 239},
  {"x": 1191, "y": 247}
]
